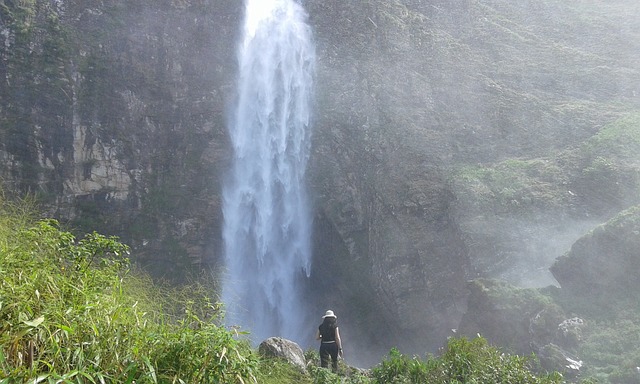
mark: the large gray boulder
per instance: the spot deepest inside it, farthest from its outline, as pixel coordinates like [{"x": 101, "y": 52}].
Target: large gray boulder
[{"x": 283, "y": 349}]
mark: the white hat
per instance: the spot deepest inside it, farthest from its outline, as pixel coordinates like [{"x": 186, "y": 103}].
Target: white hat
[{"x": 329, "y": 313}]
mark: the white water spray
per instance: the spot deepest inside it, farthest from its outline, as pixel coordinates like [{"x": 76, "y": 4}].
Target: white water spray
[{"x": 266, "y": 215}]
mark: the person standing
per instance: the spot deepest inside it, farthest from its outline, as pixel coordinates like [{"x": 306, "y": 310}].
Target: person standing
[{"x": 331, "y": 344}]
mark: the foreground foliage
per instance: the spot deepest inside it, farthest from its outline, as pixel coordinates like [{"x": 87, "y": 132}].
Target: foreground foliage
[
  {"x": 463, "y": 361},
  {"x": 72, "y": 311}
]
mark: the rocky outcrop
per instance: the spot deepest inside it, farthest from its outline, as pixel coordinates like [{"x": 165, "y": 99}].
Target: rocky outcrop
[
  {"x": 96, "y": 168},
  {"x": 584, "y": 323},
  {"x": 277, "y": 347},
  {"x": 510, "y": 316},
  {"x": 603, "y": 265},
  {"x": 524, "y": 321}
]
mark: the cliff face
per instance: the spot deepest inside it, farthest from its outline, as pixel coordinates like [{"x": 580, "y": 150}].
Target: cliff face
[
  {"x": 114, "y": 113},
  {"x": 452, "y": 142}
]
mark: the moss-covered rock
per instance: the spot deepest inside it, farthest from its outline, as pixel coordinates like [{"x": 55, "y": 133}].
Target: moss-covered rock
[
  {"x": 603, "y": 265},
  {"x": 510, "y": 316}
]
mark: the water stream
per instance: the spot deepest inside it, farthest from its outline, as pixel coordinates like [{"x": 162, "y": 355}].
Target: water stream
[{"x": 267, "y": 217}]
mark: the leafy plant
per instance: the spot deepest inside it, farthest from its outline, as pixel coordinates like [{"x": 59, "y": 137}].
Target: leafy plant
[{"x": 399, "y": 368}]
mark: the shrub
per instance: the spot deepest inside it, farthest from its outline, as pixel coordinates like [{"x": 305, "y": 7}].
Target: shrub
[
  {"x": 399, "y": 369},
  {"x": 463, "y": 361}
]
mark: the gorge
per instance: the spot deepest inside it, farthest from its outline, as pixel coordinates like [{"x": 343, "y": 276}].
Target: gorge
[{"x": 454, "y": 142}]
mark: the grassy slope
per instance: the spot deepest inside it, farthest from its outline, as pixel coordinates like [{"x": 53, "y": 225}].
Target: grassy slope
[{"x": 526, "y": 184}]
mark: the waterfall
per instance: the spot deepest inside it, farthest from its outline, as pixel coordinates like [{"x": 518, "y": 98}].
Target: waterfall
[{"x": 267, "y": 221}]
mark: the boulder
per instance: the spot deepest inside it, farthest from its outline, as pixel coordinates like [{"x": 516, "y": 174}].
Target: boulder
[
  {"x": 555, "y": 358},
  {"x": 283, "y": 349}
]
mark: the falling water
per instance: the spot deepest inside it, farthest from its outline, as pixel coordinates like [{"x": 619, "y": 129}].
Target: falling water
[{"x": 266, "y": 215}]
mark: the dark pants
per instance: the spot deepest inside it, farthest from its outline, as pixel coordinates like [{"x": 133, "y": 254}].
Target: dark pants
[{"x": 329, "y": 350}]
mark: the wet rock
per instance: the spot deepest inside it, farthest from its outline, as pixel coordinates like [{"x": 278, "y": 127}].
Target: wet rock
[
  {"x": 555, "y": 358},
  {"x": 570, "y": 331}
]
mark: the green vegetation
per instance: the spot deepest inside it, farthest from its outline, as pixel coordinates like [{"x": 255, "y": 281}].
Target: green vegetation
[
  {"x": 463, "y": 361},
  {"x": 74, "y": 311},
  {"x": 604, "y": 165},
  {"x": 613, "y": 348},
  {"x": 277, "y": 371},
  {"x": 514, "y": 185},
  {"x": 618, "y": 140}
]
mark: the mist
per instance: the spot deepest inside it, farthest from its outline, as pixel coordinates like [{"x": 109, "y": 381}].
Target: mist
[{"x": 521, "y": 252}]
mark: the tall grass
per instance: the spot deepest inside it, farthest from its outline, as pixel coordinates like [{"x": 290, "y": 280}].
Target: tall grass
[{"x": 72, "y": 311}]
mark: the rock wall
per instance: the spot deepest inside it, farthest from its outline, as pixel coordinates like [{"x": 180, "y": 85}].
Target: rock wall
[
  {"x": 118, "y": 120},
  {"x": 424, "y": 114}
]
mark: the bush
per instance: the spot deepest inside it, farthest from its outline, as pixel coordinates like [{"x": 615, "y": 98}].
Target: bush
[
  {"x": 463, "y": 361},
  {"x": 278, "y": 371},
  {"x": 400, "y": 369}
]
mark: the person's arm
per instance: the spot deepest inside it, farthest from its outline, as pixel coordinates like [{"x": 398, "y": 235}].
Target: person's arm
[
  {"x": 339, "y": 341},
  {"x": 318, "y": 336}
]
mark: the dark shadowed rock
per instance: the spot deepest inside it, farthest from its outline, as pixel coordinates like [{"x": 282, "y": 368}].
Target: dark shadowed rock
[
  {"x": 283, "y": 349},
  {"x": 510, "y": 316},
  {"x": 605, "y": 262},
  {"x": 524, "y": 321}
]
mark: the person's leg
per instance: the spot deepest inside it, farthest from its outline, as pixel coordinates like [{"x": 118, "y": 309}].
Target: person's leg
[
  {"x": 334, "y": 358},
  {"x": 324, "y": 356}
]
